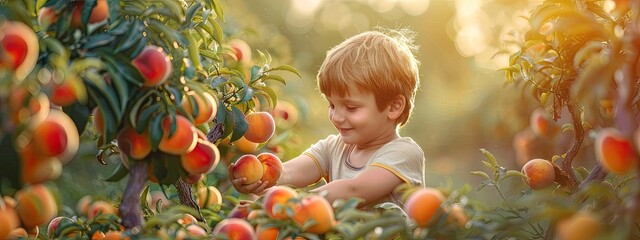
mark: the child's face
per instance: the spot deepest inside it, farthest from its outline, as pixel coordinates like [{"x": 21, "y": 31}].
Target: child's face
[{"x": 357, "y": 118}]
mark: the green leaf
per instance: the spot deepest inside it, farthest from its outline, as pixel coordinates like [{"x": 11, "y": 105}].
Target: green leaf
[
  {"x": 79, "y": 113},
  {"x": 255, "y": 73},
  {"x": 140, "y": 122},
  {"x": 240, "y": 124},
  {"x": 482, "y": 174},
  {"x": 286, "y": 68},
  {"x": 98, "y": 40},
  {"x": 191, "y": 12},
  {"x": 217, "y": 6},
  {"x": 490, "y": 157},
  {"x": 118, "y": 173},
  {"x": 217, "y": 81},
  {"x": 274, "y": 77},
  {"x": 155, "y": 131},
  {"x": 134, "y": 35},
  {"x": 247, "y": 94}
]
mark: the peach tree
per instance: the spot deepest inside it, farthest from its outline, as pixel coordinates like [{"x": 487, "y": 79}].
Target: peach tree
[
  {"x": 157, "y": 79},
  {"x": 579, "y": 59}
]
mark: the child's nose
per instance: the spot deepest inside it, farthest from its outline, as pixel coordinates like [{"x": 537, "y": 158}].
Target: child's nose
[{"x": 335, "y": 116}]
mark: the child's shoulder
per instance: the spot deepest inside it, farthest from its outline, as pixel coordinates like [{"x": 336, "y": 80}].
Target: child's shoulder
[{"x": 404, "y": 144}]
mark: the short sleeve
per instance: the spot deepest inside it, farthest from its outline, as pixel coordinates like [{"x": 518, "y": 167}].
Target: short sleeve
[
  {"x": 404, "y": 158},
  {"x": 321, "y": 152}
]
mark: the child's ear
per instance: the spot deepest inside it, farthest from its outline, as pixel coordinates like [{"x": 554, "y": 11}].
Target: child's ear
[{"x": 396, "y": 107}]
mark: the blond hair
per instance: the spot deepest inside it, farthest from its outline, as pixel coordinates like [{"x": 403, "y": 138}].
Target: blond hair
[{"x": 379, "y": 61}]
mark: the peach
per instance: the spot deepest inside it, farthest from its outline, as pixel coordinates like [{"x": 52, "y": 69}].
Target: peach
[
  {"x": 241, "y": 210},
  {"x": 456, "y": 215},
  {"x": 135, "y": 145},
  {"x": 261, "y": 127},
  {"x": 154, "y": 65},
  {"x": 276, "y": 201},
  {"x": 317, "y": 209},
  {"x": 47, "y": 16},
  {"x": 8, "y": 221},
  {"x": 241, "y": 50},
  {"x": 193, "y": 178},
  {"x": 202, "y": 106},
  {"x": 180, "y": 141},
  {"x": 423, "y": 205},
  {"x": 100, "y": 207},
  {"x": 83, "y": 205},
  {"x": 56, "y": 136},
  {"x": 615, "y": 151},
  {"x": 99, "y": 13},
  {"x": 540, "y": 173},
  {"x": 18, "y": 233},
  {"x": 37, "y": 168},
  {"x": 285, "y": 114},
  {"x": 234, "y": 229},
  {"x": 267, "y": 233},
  {"x": 202, "y": 159},
  {"x": 191, "y": 231},
  {"x": 65, "y": 93},
  {"x": 245, "y": 146},
  {"x": 579, "y": 226},
  {"x": 54, "y": 224},
  {"x": 542, "y": 124},
  {"x": 19, "y": 48},
  {"x": 26, "y": 107},
  {"x": 272, "y": 167},
  {"x": 187, "y": 219},
  {"x": 208, "y": 197},
  {"x": 36, "y": 205},
  {"x": 248, "y": 166}
]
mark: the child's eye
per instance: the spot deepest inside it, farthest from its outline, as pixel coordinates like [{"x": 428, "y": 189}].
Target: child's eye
[{"x": 351, "y": 108}]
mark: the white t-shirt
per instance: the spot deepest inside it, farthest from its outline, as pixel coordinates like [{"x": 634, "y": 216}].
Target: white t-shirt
[{"x": 402, "y": 157}]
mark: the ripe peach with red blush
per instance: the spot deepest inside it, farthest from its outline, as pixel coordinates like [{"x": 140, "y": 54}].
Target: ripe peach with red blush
[
  {"x": 100, "y": 207},
  {"x": 204, "y": 157},
  {"x": 19, "y": 48},
  {"x": 135, "y": 145},
  {"x": 539, "y": 173},
  {"x": 241, "y": 50},
  {"x": 202, "y": 106},
  {"x": 182, "y": 140},
  {"x": 248, "y": 166},
  {"x": 36, "y": 205},
  {"x": 542, "y": 124},
  {"x": 261, "y": 127},
  {"x": 615, "y": 151},
  {"x": 154, "y": 65},
  {"x": 234, "y": 229},
  {"x": 276, "y": 201},
  {"x": 272, "y": 167},
  {"x": 56, "y": 136},
  {"x": 317, "y": 209}
]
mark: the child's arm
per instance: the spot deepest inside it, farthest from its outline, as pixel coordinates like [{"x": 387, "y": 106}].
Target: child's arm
[
  {"x": 372, "y": 184},
  {"x": 299, "y": 172}
]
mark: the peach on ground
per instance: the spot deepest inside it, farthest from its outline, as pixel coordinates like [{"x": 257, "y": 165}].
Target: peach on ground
[
  {"x": 100, "y": 207},
  {"x": 261, "y": 127},
  {"x": 204, "y": 157},
  {"x": 276, "y": 201},
  {"x": 272, "y": 166},
  {"x": 579, "y": 226},
  {"x": 234, "y": 229},
  {"x": 191, "y": 231},
  {"x": 182, "y": 140},
  {"x": 540, "y": 173},
  {"x": 615, "y": 151},
  {"x": 207, "y": 106},
  {"x": 248, "y": 166},
  {"x": 154, "y": 65},
  {"x": 35, "y": 205},
  {"x": 423, "y": 205},
  {"x": 245, "y": 146},
  {"x": 135, "y": 145},
  {"x": 209, "y": 196},
  {"x": 317, "y": 209},
  {"x": 19, "y": 48}
]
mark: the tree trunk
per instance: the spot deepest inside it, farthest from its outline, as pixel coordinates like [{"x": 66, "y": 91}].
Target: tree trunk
[{"x": 130, "y": 210}]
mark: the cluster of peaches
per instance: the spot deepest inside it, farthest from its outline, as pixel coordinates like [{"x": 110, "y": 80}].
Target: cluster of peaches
[{"x": 614, "y": 150}]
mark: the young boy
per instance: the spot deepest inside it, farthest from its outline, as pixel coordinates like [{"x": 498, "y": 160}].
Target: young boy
[{"x": 370, "y": 81}]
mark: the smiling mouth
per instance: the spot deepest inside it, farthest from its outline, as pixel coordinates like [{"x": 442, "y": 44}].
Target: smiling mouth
[{"x": 344, "y": 130}]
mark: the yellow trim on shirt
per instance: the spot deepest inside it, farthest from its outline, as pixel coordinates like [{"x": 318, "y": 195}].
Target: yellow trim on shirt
[
  {"x": 388, "y": 168},
  {"x": 317, "y": 163}
]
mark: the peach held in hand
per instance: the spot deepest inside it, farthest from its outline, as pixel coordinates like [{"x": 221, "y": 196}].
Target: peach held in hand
[
  {"x": 248, "y": 166},
  {"x": 272, "y": 167}
]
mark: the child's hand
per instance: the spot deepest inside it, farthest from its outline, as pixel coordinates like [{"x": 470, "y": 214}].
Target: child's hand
[{"x": 257, "y": 188}]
